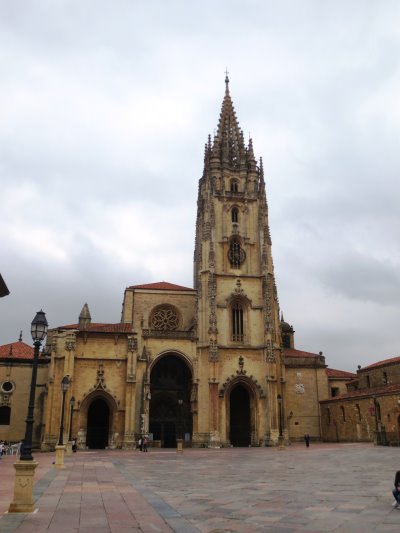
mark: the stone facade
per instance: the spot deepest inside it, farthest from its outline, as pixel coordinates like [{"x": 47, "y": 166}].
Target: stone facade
[
  {"x": 370, "y": 408},
  {"x": 214, "y": 365},
  {"x": 15, "y": 378}
]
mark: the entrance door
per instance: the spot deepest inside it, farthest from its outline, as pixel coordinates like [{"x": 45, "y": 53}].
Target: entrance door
[
  {"x": 240, "y": 427},
  {"x": 170, "y": 413},
  {"x": 98, "y": 423}
]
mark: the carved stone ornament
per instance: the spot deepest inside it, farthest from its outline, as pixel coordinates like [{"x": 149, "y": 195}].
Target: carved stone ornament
[
  {"x": 132, "y": 344},
  {"x": 70, "y": 346},
  {"x": 270, "y": 352},
  {"x": 299, "y": 388},
  {"x": 213, "y": 351}
]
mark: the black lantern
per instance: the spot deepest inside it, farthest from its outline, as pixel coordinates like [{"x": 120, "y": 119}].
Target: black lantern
[
  {"x": 38, "y": 331},
  {"x": 71, "y": 405},
  {"x": 64, "y": 388}
]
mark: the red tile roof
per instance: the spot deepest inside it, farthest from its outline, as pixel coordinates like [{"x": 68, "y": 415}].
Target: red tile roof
[
  {"x": 102, "y": 328},
  {"x": 291, "y": 352},
  {"x": 161, "y": 286},
  {"x": 16, "y": 350},
  {"x": 366, "y": 393},
  {"x": 339, "y": 374},
  {"x": 382, "y": 363}
]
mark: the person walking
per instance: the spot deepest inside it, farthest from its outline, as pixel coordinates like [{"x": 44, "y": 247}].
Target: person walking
[
  {"x": 145, "y": 443},
  {"x": 307, "y": 439},
  {"x": 396, "y": 491}
]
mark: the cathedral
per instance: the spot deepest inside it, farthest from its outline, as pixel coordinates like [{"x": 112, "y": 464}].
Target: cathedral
[{"x": 214, "y": 365}]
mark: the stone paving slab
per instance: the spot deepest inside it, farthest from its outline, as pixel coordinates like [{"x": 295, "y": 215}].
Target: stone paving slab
[{"x": 327, "y": 487}]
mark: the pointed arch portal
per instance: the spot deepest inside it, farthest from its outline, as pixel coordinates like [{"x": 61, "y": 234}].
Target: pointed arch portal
[
  {"x": 170, "y": 413},
  {"x": 98, "y": 424},
  {"x": 239, "y": 419}
]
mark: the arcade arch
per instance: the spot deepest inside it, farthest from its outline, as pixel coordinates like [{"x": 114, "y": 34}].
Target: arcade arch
[{"x": 170, "y": 414}]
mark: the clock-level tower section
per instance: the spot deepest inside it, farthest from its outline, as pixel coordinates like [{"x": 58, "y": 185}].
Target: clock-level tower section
[{"x": 240, "y": 371}]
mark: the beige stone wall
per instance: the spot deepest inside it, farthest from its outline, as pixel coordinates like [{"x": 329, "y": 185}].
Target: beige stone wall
[
  {"x": 305, "y": 386},
  {"x": 339, "y": 384},
  {"x": 357, "y": 419},
  {"x": 379, "y": 376},
  {"x": 20, "y": 374}
]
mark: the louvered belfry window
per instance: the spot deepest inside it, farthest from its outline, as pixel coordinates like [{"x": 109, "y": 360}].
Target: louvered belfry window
[{"x": 237, "y": 322}]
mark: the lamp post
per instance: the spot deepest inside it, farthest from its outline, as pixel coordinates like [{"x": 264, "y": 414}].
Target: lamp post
[
  {"x": 71, "y": 412},
  {"x": 60, "y": 448},
  {"x": 280, "y": 437},
  {"x": 25, "y": 467},
  {"x": 179, "y": 440}
]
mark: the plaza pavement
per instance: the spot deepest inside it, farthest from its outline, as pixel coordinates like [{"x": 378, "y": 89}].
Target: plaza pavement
[{"x": 327, "y": 487}]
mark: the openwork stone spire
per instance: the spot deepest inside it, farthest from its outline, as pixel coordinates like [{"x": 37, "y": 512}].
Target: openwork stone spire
[{"x": 228, "y": 146}]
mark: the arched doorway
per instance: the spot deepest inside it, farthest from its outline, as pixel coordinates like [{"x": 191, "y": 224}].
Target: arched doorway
[
  {"x": 239, "y": 417},
  {"x": 170, "y": 414},
  {"x": 98, "y": 424}
]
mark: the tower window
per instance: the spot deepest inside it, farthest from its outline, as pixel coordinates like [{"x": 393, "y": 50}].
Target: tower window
[
  {"x": 236, "y": 254},
  {"x": 237, "y": 322},
  {"x": 234, "y": 186},
  {"x": 235, "y": 214}
]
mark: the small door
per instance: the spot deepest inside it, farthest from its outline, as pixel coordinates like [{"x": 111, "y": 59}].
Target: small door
[
  {"x": 240, "y": 427},
  {"x": 98, "y": 424}
]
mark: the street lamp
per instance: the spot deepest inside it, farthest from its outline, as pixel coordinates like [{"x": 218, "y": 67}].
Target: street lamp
[
  {"x": 72, "y": 404},
  {"x": 71, "y": 412},
  {"x": 280, "y": 438},
  {"x": 179, "y": 440},
  {"x": 60, "y": 448},
  {"x": 25, "y": 467}
]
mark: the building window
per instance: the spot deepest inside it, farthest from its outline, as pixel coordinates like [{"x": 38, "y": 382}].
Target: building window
[
  {"x": 5, "y": 415},
  {"x": 236, "y": 254},
  {"x": 358, "y": 412},
  {"x": 234, "y": 186},
  {"x": 286, "y": 341},
  {"x": 335, "y": 391},
  {"x": 237, "y": 322},
  {"x": 378, "y": 411},
  {"x": 343, "y": 413},
  {"x": 235, "y": 214},
  {"x": 165, "y": 318},
  {"x": 368, "y": 381},
  {"x": 385, "y": 378},
  {"x": 7, "y": 387}
]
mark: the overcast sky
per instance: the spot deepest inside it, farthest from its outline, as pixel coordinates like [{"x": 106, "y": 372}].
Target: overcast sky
[{"x": 104, "y": 111}]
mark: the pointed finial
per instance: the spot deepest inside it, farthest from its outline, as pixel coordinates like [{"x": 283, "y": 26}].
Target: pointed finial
[
  {"x": 84, "y": 317},
  {"x": 226, "y": 78},
  {"x": 20, "y": 336},
  {"x": 282, "y": 317}
]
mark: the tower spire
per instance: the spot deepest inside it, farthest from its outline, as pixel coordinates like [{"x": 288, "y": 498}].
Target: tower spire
[{"x": 228, "y": 144}]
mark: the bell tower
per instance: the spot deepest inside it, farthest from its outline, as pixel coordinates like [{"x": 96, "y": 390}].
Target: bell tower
[{"x": 238, "y": 328}]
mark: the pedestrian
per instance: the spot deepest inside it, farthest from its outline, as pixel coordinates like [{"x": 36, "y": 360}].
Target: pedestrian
[
  {"x": 74, "y": 445},
  {"x": 396, "y": 490},
  {"x": 307, "y": 439},
  {"x": 145, "y": 443},
  {"x": 140, "y": 443}
]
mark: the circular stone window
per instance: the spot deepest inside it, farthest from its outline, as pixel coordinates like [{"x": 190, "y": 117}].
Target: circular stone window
[
  {"x": 165, "y": 318},
  {"x": 7, "y": 386}
]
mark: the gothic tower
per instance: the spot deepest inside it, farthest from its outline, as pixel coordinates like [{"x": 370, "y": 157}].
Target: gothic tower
[{"x": 240, "y": 370}]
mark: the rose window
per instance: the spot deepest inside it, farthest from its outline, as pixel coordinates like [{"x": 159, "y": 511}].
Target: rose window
[{"x": 165, "y": 318}]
